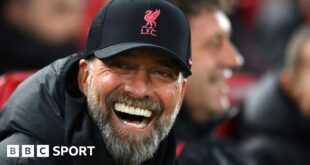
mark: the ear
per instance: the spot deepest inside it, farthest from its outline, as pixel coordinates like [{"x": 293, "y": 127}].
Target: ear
[
  {"x": 287, "y": 83},
  {"x": 83, "y": 76},
  {"x": 13, "y": 13}
]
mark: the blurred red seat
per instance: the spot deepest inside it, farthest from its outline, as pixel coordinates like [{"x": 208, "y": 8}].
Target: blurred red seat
[
  {"x": 91, "y": 9},
  {"x": 8, "y": 83}
]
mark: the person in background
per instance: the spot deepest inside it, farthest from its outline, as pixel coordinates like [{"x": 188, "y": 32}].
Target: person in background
[
  {"x": 206, "y": 104},
  {"x": 213, "y": 57},
  {"x": 274, "y": 124},
  {"x": 37, "y": 32}
]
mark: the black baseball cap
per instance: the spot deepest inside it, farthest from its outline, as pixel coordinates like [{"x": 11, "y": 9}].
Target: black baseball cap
[{"x": 122, "y": 25}]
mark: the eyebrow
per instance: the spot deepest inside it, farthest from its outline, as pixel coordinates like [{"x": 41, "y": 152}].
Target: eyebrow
[{"x": 168, "y": 63}]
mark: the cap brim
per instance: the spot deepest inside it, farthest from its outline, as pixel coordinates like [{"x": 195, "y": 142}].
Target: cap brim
[{"x": 122, "y": 47}]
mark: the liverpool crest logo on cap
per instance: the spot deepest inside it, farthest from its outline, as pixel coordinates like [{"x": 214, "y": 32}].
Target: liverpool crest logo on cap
[{"x": 150, "y": 18}]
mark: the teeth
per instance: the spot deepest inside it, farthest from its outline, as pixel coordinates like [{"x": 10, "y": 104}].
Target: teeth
[
  {"x": 140, "y": 125},
  {"x": 131, "y": 110}
]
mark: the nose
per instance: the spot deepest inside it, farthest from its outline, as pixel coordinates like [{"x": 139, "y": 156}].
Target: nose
[
  {"x": 138, "y": 85},
  {"x": 231, "y": 58}
]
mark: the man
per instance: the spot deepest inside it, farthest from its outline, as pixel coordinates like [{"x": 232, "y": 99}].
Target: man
[
  {"x": 121, "y": 96},
  {"x": 206, "y": 104},
  {"x": 274, "y": 124},
  {"x": 213, "y": 56},
  {"x": 37, "y": 32}
]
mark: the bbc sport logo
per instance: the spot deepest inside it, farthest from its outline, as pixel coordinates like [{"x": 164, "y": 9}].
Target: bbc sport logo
[{"x": 43, "y": 151}]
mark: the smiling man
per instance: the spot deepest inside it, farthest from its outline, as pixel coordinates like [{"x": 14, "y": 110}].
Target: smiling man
[
  {"x": 206, "y": 103},
  {"x": 133, "y": 99},
  {"x": 120, "y": 96},
  {"x": 214, "y": 56}
]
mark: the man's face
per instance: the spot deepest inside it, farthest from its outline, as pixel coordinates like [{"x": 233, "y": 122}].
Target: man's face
[
  {"x": 302, "y": 80},
  {"x": 213, "y": 55},
  {"x": 134, "y": 99}
]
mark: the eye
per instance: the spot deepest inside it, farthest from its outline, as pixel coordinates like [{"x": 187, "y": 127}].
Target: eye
[
  {"x": 120, "y": 64},
  {"x": 162, "y": 73},
  {"x": 215, "y": 42}
]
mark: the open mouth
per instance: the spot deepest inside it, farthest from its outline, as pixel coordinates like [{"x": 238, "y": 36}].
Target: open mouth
[{"x": 133, "y": 116}]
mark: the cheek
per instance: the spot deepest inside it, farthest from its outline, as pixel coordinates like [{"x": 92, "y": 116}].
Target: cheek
[
  {"x": 103, "y": 86},
  {"x": 300, "y": 86},
  {"x": 203, "y": 64},
  {"x": 198, "y": 82},
  {"x": 169, "y": 97},
  {"x": 302, "y": 92},
  {"x": 304, "y": 88}
]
